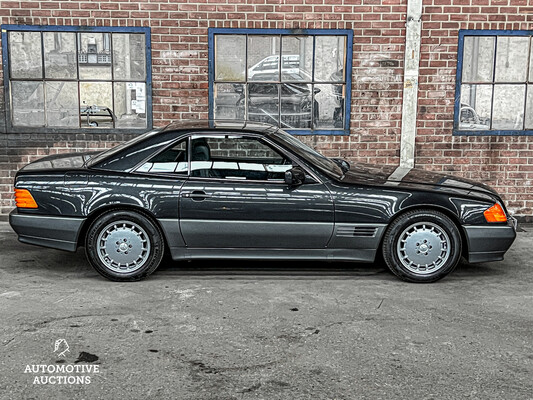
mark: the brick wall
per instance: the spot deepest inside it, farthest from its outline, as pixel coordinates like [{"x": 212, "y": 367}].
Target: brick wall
[
  {"x": 504, "y": 162},
  {"x": 180, "y": 86}
]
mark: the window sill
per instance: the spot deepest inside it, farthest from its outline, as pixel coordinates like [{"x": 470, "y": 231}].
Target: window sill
[
  {"x": 73, "y": 131},
  {"x": 457, "y": 132},
  {"x": 325, "y": 132}
]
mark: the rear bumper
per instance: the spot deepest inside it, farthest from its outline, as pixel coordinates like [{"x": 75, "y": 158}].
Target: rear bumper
[
  {"x": 41, "y": 230},
  {"x": 489, "y": 243}
]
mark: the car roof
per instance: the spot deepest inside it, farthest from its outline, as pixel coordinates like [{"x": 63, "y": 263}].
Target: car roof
[
  {"x": 220, "y": 125},
  {"x": 122, "y": 157}
]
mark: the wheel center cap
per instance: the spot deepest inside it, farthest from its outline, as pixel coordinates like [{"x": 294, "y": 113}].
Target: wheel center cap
[
  {"x": 424, "y": 247},
  {"x": 123, "y": 247}
]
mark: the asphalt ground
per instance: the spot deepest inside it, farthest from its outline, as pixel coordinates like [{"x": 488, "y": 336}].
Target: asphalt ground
[{"x": 263, "y": 330}]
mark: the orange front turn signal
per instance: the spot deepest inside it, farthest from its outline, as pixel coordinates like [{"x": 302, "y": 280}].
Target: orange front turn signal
[
  {"x": 24, "y": 199},
  {"x": 495, "y": 214}
]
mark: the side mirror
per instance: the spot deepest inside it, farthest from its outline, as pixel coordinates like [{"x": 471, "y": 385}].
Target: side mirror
[
  {"x": 295, "y": 176},
  {"x": 343, "y": 164}
]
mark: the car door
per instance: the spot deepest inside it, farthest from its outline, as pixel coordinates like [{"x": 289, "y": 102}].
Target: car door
[{"x": 236, "y": 197}]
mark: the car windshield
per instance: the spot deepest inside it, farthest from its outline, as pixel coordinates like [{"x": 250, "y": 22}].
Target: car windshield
[
  {"x": 326, "y": 165},
  {"x": 114, "y": 150}
]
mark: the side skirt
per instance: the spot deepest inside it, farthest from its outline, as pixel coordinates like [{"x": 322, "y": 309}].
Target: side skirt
[{"x": 356, "y": 255}]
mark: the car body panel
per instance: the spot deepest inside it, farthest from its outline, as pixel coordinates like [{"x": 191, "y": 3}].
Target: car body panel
[
  {"x": 255, "y": 214},
  {"x": 48, "y": 231}
]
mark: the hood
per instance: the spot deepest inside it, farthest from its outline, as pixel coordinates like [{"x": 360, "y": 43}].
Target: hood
[
  {"x": 60, "y": 161},
  {"x": 394, "y": 176}
]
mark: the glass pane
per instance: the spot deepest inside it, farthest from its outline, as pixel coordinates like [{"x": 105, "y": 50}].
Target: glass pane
[
  {"x": 230, "y": 57},
  {"x": 476, "y": 104},
  {"x": 94, "y": 55},
  {"x": 529, "y": 108},
  {"x": 130, "y": 104},
  {"x": 173, "y": 160},
  {"x": 28, "y": 103},
  {"x": 25, "y": 57},
  {"x": 297, "y": 58},
  {"x": 236, "y": 158},
  {"x": 129, "y": 56},
  {"x": 511, "y": 59},
  {"x": 263, "y": 103},
  {"x": 263, "y": 58},
  {"x": 478, "y": 58},
  {"x": 62, "y": 107},
  {"x": 96, "y": 108},
  {"x": 330, "y": 58},
  {"x": 296, "y": 109},
  {"x": 329, "y": 106},
  {"x": 60, "y": 55},
  {"x": 229, "y": 101},
  {"x": 508, "y": 109}
]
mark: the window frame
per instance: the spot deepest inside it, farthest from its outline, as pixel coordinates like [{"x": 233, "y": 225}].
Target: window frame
[
  {"x": 295, "y": 159},
  {"x": 247, "y": 136},
  {"x": 463, "y": 33},
  {"x": 7, "y": 28},
  {"x": 289, "y": 32}
]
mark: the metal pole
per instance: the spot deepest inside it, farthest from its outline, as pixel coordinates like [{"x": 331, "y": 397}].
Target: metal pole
[{"x": 410, "y": 87}]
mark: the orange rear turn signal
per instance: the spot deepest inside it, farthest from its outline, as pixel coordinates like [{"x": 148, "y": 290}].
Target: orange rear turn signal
[
  {"x": 495, "y": 214},
  {"x": 24, "y": 199}
]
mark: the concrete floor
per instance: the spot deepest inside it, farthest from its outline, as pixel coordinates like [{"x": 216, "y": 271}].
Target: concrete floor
[{"x": 243, "y": 330}]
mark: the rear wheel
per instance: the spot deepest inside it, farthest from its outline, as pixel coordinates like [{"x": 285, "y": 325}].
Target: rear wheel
[
  {"x": 422, "y": 246},
  {"x": 124, "y": 245}
]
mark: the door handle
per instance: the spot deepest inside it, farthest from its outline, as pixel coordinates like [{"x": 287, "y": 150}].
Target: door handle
[{"x": 197, "y": 195}]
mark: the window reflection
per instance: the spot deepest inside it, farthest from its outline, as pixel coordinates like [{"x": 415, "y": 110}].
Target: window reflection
[
  {"x": 236, "y": 158},
  {"x": 283, "y": 84}
]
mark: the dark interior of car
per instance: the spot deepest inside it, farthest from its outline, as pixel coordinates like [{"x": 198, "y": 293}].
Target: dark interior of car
[{"x": 242, "y": 167}]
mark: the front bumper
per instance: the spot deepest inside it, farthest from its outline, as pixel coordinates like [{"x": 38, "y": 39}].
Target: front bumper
[
  {"x": 489, "y": 243},
  {"x": 41, "y": 230}
]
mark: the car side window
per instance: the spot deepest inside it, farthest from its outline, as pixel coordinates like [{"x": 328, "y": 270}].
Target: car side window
[
  {"x": 236, "y": 157},
  {"x": 173, "y": 160}
]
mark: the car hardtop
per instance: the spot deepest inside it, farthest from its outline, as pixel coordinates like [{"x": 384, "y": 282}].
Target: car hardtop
[
  {"x": 220, "y": 126},
  {"x": 173, "y": 131}
]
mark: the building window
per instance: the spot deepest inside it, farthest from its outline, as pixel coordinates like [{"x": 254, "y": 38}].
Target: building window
[
  {"x": 300, "y": 82},
  {"x": 494, "y": 93},
  {"x": 86, "y": 78}
]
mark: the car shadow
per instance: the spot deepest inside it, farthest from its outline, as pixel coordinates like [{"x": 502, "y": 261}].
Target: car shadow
[{"x": 232, "y": 269}]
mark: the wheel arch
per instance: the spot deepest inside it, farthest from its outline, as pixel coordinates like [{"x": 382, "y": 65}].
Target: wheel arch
[
  {"x": 93, "y": 215},
  {"x": 434, "y": 207}
]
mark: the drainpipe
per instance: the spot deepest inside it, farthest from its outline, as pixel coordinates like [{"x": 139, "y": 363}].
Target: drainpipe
[{"x": 410, "y": 86}]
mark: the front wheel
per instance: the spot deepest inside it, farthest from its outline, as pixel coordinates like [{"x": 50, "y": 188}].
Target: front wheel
[
  {"x": 124, "y": 245},
  {"x": 422, "y": 246}
]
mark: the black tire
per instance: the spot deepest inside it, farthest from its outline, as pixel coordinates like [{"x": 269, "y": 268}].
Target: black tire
[
  {"x": 124, "y": 245},
  {"x": 422, "y": 246}
]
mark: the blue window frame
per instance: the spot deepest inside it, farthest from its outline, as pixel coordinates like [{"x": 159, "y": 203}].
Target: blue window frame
[
  {"x": 494, "y": 83},
  {"x": 86, "y": 79},
  {"x": 299, "y": 80}
]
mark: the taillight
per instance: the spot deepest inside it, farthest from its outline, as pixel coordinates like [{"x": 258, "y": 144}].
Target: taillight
[
  {"x": 24, "y": 199},
  {"x": 495, "y": 214}
]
